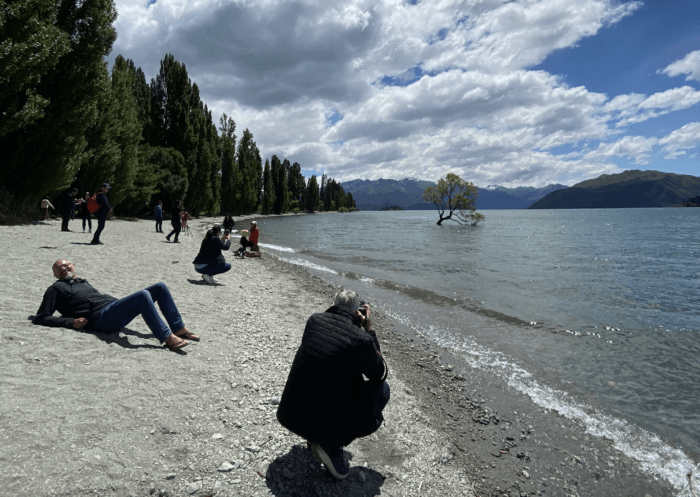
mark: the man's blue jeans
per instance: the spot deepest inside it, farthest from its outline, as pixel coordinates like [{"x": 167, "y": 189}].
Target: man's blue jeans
[
  {"x": 123, "y": 311},
  {"x": 214, "y": 269}
]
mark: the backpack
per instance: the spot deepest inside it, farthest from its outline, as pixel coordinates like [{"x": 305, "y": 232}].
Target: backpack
[{"x": 92, "y": 204}]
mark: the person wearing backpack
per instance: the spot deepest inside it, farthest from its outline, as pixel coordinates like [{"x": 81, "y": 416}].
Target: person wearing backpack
[
  {"x": 101, "y": 213},
  {"x": 85, "y": 212}
]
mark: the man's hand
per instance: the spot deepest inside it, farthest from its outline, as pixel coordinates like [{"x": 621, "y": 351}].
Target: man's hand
[
  {"x": 364, "y": 318},
  {"x": 79, "y": 323}
]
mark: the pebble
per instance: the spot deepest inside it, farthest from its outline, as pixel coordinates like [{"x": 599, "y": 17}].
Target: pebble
[
  {"x": 194, "y": 487},
  {"x": 526, "y": 474},
  {"x": 171, "y": 476},
  {"x": 253, "y": 448},
  {"x": 226, "y": 467},
  {"x": 217, "y": 436}
]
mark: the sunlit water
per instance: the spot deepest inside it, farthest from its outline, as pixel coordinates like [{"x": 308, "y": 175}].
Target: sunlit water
[{"x": 594, "y": 313}]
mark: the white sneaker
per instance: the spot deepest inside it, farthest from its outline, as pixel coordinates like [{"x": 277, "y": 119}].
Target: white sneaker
[{"x": 208, "y": 279}]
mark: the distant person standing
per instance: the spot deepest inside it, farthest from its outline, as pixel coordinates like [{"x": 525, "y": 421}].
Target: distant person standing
[
  {"x": 45, "y": 204},
  {"x": 184, "y": 217},
  {"x": 101, "y": 213},
  {"x": 85, "y": 213},
  {"x": 158, "y": 211},
  {"x": 67, "y": 208},
  {"x": 175, "y": 221},
  {"x": 229, "y": 223}
]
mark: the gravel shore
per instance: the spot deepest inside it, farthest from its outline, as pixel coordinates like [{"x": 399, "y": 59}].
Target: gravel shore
[{"x": 117, "y": 414}]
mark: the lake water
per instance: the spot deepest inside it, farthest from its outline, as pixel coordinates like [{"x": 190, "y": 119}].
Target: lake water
[{"x": 594, "y": 313}]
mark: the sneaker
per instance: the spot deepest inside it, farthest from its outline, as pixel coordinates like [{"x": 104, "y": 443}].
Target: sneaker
[
  {"x": 167, "y": 237},
  {"x": 90, "y": 230},
  {"x": 332, "y": 459},
  {"x": 208, "y": 279},
  {"x": 96, "y": 242}
]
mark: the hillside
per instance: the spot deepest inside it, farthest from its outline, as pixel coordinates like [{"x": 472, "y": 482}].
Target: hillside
[
  {"x": 407, "y": 194},
  {"x": 632, "y": 188}
]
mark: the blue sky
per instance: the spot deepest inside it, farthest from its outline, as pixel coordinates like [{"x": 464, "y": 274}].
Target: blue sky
[{"x": 523, "y": 92}]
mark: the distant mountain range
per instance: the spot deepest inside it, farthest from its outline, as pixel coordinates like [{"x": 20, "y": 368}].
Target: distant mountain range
[
  {"x": 628, "y": 189},
  {"x": 407, "y": 193}
]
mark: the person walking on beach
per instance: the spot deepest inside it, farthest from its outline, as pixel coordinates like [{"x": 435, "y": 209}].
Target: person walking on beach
[
  {"x": 81, "y": 306},
  {"x": 158, "y": 211},
  {"x": 326, "y": 400},
  {"x": 210, "y": 261},
  {"x": 175, "y": 221},
  {"x": 85, "y": 213},
  {"x": 101, "y": 213},
  {"x": 45, "y": 204},
  {"x": 67, "y": 208}
]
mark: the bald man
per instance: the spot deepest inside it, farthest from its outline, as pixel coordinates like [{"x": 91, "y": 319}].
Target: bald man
[{"x": 80, "y": 305}]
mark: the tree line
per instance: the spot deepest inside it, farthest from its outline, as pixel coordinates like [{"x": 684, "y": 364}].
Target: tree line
[{"x": 67, "y": 121}]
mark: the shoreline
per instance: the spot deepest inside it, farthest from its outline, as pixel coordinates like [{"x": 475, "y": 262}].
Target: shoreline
[{"x": 117, "y": 414}]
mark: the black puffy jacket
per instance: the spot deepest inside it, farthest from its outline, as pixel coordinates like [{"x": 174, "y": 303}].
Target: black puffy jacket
[
  {"x": 321, "y": 400},
  {"x": 210, "y": 251}
]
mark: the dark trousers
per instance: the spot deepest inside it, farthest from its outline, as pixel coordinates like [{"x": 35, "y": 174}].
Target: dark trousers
[
  {"x": 101, "y": 221},
  {"x": 65, "y": 218},
  {"x": 87, "y": 219},
  {"x": 159, "y": 225},
  {"x": 177, "y": 227},
  {"x": 374, "y": 395}
]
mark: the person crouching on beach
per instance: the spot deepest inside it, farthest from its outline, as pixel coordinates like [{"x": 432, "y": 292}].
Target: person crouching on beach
[
  {"x": 81, "y": 306},
  {"x": 210, "y": 261},
  {"x": 326, "y": 399}
]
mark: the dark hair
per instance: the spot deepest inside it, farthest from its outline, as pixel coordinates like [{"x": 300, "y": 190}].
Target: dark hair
[
  {"x": 176, "y": 203},
  {"x": 215, "y": 230}
]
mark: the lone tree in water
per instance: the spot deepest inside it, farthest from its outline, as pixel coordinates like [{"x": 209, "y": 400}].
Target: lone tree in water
[{"x": 457, "y": 197}]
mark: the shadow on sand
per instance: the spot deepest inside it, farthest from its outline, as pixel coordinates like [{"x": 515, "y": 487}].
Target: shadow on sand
[{"x": 298, "y": 473}]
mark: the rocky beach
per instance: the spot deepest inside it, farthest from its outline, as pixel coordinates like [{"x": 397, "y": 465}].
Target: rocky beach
[{"x": 87, "y": 413}]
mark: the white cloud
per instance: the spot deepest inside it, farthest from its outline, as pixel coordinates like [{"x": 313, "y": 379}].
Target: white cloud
[
  {"x": 677, "y": 142},
  {"x": 471, "y": 104},
  {"x": 690, "y": 65},
  {"x": 636, "y": 148}
]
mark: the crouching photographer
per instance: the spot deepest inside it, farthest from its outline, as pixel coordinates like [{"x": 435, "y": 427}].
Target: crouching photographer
[{"x": 326, "y": 399}]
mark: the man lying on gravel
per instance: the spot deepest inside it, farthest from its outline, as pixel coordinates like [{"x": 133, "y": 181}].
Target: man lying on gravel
[
  {"x": 81, "y": 306},
  {"x": 326, "y": 400}
]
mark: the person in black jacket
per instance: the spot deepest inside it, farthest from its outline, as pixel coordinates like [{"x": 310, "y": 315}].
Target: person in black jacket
[
  {"x": 81, "y": 306},
  {"x": 326, "y": 400},
  {"x": 175, "y": 221},
  {"x": 229, "y": 223},
  {"x": 210, "y": 261},
  {"x": 67, "y": 208},
  {"x": 101, "y": 213}
]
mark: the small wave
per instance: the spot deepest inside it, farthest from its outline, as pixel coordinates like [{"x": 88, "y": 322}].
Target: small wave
[
  {"x": 276, "y": 247},
  {"x": 310, "y": 265},
  {"x": 654, "y": 455}
]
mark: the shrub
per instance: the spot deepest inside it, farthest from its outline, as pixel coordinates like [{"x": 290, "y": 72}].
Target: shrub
[
  {"x": 343, "y": 209},
  {"x": 296, "y": 210},
  {"x": 14, "y": 210}
]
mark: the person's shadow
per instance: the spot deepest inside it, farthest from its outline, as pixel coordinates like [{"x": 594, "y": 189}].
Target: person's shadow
[
  {"x": 298, "y": 473},
  {"x": 122, "y": 341},
  {"x": 204, "y": 283}
]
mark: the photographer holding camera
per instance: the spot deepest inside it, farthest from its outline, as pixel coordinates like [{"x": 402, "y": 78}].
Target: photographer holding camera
[
  {"x": 210, "y": 261},
  {"x": 326, "y": 399}
]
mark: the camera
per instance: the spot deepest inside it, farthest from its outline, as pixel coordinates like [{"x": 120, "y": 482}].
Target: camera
[{"x": 362, "y": 310}]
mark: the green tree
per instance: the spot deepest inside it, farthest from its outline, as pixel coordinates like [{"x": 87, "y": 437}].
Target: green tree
[
  {"x": 31, "y": 47},
  {"x": 295, "y": 182},
  {"x": 268, "y": 190},
  {"x": 170, "y": 169},
  {"x": 312, "y": 194},
  {"x": 248, "y": 183},
  {"x": 455, "y": 196},
  {"x": 279, "y": 182},
  {"x": 65, "y": 100},
  {"x": 227, "y": 126}
]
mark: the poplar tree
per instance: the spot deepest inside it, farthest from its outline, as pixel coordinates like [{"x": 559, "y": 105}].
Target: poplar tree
[
  {"x": 268, "y": 190},
  {"x": 227, "y": 126},
  {"x": 55, "y": 95},
  {"x": 312, "y": 194}
]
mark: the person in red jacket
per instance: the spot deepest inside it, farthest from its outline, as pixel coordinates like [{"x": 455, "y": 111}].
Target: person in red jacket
[{"x": 254, "y": 233}]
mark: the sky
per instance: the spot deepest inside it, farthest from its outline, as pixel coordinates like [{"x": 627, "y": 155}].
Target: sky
[{"x": 507, "y": 92}]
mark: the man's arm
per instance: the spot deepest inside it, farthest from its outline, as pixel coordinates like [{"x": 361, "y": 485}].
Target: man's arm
[{"x": 44, "y": 315}]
